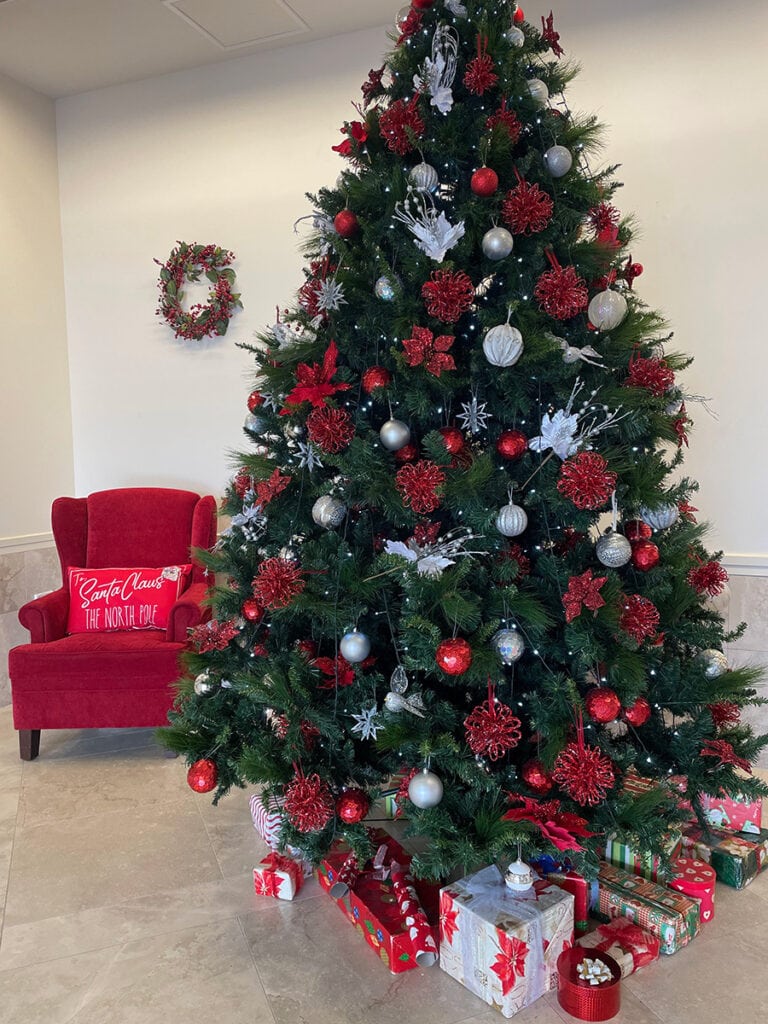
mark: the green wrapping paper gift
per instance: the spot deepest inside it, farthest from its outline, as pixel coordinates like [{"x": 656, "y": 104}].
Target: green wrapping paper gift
[
  {"x": 737, "y": 859},
  {"x": 649, "y": 865},
  {"x": 669, "y": 915}
]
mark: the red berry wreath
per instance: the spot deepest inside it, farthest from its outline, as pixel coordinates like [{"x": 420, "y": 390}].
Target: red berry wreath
[{"x": 188, "y": 262}]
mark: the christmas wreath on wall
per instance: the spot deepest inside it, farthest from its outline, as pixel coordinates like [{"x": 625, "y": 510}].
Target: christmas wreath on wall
[{"x": 188, "y": 262}]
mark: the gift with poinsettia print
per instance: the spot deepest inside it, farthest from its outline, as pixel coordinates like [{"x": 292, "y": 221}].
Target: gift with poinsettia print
[
  {"x": 733, "y": 813},
  {"x": 278, "y": 876},
  {"x": 500, "y": 946},
  {"x": 736, "y": 858},
  {"x": 370, "y": 901},
  {"x": 630, "y": 945},
  {"x": 669, "y": 915}
]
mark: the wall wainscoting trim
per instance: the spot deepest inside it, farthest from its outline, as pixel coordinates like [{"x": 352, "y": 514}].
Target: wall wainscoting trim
[
  {"x": 25, "y": 542},
  {"x": 745, "y": 565}
]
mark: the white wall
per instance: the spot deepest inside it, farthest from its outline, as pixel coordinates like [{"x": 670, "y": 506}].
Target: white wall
[
  {"x": 35, "y": 425},
  {"x": 225, "y": 153}
]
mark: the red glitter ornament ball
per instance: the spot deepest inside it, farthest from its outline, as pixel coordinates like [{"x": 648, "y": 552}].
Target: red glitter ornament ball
[
  {"x": 602, "y": 704},
  {"x": 536, "y": 776},
  {"x": 454, "y": 440},
  {"x": 519, "y": 16},
  {"x": 645, "y": 555},
  {"x": 484, "y": 181},
  {"x": 422, "y": 5},
  {"x": 636, "y": 529},
  {"x": 512, "y": 444},
  {"x": 584, "y": 773},
  {"x": 408, "y": 453},
  {"x": 252, "y": 610},
  {"x": 492, "y": 728},
  {"x": 203, "y": 776},
  {"x": 346, "y": 223},
  {"x": 352, "y": 806},
  {"x": 454, "y": 656},
  {"x": 375, "y": 377},
  {"x": 255, "y": 399},
  {"x": 638, "y": 713}
]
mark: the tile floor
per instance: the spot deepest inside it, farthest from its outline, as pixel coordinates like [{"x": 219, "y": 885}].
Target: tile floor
[{"x": 125, "y": 898}]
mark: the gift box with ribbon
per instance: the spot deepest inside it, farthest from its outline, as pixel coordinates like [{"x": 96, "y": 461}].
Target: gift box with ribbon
[
  {"x": 733, "y": 813},
  {"x": 736, "y": 858},
  {"x": 695, "y": 879},
  {"x": 630, "y": 945},
  {"x": 396, "y": 916},
  {"x": 268, "y": 822},
  {"x": 669, "y": 915},
  {"x": 584, "y": 892},
  {"x": 637, "y": 785},
  {"x": 588, "y": 987},
  {"x": 278, "y": 876},
  {"x": 649, "y": 865},
  {"x": 501, "y": 945}
]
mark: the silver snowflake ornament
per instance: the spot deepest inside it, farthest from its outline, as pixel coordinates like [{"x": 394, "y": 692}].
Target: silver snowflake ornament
[
  {"x": 330, "y": 295},
  {"x": 365, "y": 723},
  {"x": 309, "y": 457},
  {"x": 473, "y": 416}
]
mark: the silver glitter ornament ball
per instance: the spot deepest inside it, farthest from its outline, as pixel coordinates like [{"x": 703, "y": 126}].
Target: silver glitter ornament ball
[
  {"x": 395, "y": 435},
  {"x": 255, "y": 424},
  {"x": 383, "y": 289},
  {"x": 715, "y": 663},
  {"x": 509, "y": 646},
  {"x": 355, "y": 647},
  {"x": 497, "y": 243},
  {"x": 425, "y": 789},
  {"x": 203, "y": 684},
  {"x": 515, "y": 37},
  {"x": 558, "y": 160},
  {"x": 424, "y": 178},
  {"x": 511, "y": 520},
  {"x": 660, "y": 518},
  {"x": 538, "y": 91},
  {"x": 613, "y": 549},
  {"x": 607, "y": 309},
  {"x": 329, "y": 512}
]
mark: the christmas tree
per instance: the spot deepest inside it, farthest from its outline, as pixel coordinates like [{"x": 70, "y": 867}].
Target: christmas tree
[{"x": 462, "y": 552}]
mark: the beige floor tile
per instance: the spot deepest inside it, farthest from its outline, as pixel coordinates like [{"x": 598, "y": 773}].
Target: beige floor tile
[
  {"x": 67, "y": 866},
  {"x": 49, "y": 993},
  {"x": 63, "y": 744}
]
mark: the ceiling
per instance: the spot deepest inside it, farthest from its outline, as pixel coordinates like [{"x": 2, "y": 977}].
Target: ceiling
[{"x": 61, "y": 47}]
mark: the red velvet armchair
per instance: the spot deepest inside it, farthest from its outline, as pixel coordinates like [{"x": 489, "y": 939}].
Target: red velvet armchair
[{"x": 110, "y": 679}]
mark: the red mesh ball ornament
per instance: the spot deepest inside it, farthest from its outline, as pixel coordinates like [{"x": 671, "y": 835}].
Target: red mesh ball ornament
[
  {"x": 480, "y": 74},
  {"x": 448, "y": 294},
  {"x": 638, "y": 713},
  {"x": 400, "y": 124},
  {"x": 252, "y": 610},
  {"x": 645, "y": 555},
  {"x": 708, "y": 578},
  {"x": 277, "y": 582},
  {"x": 308, "y": 648},
  {"x": 375, "y": 377},
  {"x": 584, "y": 773},
  {"x": 560, "y": 292},
  {"x": 526, "y": 209},
  {"x": 203, "y": 776},
  {"x": 602, "y": 704},
  {"x": 454, "y": 656},
  {"x": 512, "y": 444},
  {"x": 346, "y": 223},
  {"x": 536, "y": 776},
  {"x": 331, "y": 429},
  {"x": 484, "y": 181},
  {"x": 308, "y": 803},
  {"x": 492, "y": 728},
  {"x": 639, "y": 617},
  {"x": 725, "y": 713},
  {"x": 418, "y": 485},
  {"x": 586, "y": 480},
  {"x": 651, "y": 374},
  {"x": 255, "y": 400},
  {"x": 454, "y": 440},
  {"x": 352, "y": 806},
  {"x": 636, "y": 529}
]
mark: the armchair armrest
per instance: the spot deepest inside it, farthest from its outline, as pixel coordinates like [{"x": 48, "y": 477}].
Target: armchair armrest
[
  {"x": 187, "y": 612},
  {"x": 46, "y": 616}
]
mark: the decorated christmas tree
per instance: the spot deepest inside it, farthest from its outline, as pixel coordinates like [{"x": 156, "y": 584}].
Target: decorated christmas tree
[{"x": 462, "y": 553}]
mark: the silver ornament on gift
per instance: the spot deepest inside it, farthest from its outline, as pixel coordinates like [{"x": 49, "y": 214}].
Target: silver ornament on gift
[
  {"x": 538, "y": 91},
  {"x": 715, "y": 663},
  {"x": 607, "y": 309},
  {"x": 384, "y": 290},
  {"x": 255, "y": 424},
  {"x": 329, "y": 512},
  {"x": 355, "y": 647},
  {"x": 558, "y": 160},
  {"x": 519, "y": 876},
  {"x": 660, "y": 518},
  {"x": 509, "y": 646},
  {"x": 395, "y": 435},
  {"x": 425, "y": 789},
  {"x": 511, "y": 520},
  {"x": 497, "y": 243},
  {"x": 503, "y": 345},
  {"x": 424, "y": 178},
  {"x": 515, "y": 37},
  {"x": 613, "y": 549},
  {"x": 203, "y": 684}
]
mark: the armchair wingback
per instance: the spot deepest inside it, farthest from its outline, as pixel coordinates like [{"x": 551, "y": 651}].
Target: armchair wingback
[{"x": 110, "y": 679}]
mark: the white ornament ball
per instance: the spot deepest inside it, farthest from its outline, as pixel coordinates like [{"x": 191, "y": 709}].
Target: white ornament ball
[
  {"x": 503, "y": 345},
  {"x": 395, "y": 435},
  {"x": 613, "y": 549},
  {"x": 203, "y": 684},
  {"x": 509, "y": 646},
  {"x": 424, "y": 178},
  {"x": 519, "y": 876},
  {"x": 660, "y": 518},
  {"x": 715, "y": 663},
  {"x": 515, "y": 37},
  {"x": 425, "y": 789},
  {"x": 538, "y": 91},
  {"x": 511, "y": 520},
  {"x": 383, "y": 290},
  {"x": 558, "y": 161},
  {"x": 355, "y": 647},
  {"x": 607, "y": 309},
  {"x": 329, "y": 512},
  {"x": 255, "y": 424},
  {"x": 497, "y": 243}
]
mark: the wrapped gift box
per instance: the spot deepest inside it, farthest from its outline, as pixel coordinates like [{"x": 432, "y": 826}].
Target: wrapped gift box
[
  {"x": 278, "y": 876},
  {"x": 584, "y": 892},
  {"x": 268, "y": 821},
  {"x": 669, "y": 915},
  {"x": 696, "y": 879},
  {"x": 638, "y": 784},
  {"x": 736, "y": 858},
  {"x": 502, "y": 947},
  {"x": 733, "y": 814},
  {"x": 371, "y": 904},
  {"x": 649, "y": 865},
  {"x": 630, "y": 945}
]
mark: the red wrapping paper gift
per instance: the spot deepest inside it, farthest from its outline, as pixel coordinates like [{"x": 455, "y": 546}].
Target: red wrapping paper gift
[
  {"x": 278, "y": 876},
  {"x": 696, "y": 879},
  {"x": 631, "y": 946},
  {"x": 581, "y": 889},
  {"x": 578, "y": 997}
]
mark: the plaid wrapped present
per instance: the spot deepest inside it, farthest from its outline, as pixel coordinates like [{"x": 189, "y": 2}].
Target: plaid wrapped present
[{"x": 669, "y": 915}]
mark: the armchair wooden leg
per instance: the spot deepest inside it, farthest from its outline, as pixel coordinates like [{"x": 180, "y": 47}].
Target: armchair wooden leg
[{"x": 29, "y": 744}]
